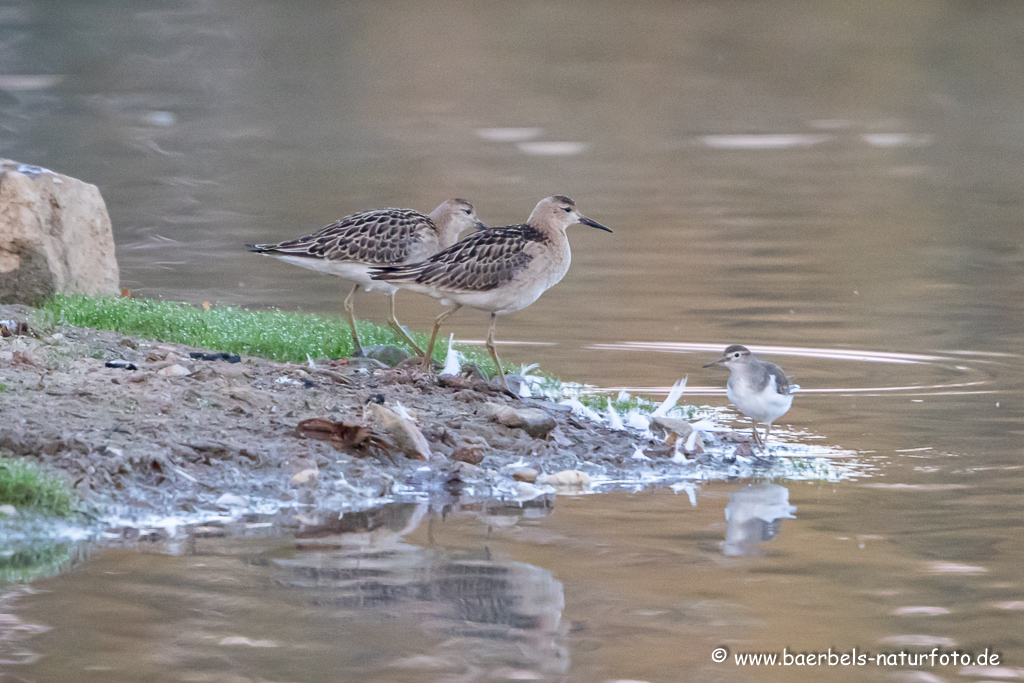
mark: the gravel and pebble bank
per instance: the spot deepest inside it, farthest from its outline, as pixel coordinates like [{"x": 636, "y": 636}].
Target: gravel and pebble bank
[{"x": 143, "y": 429}]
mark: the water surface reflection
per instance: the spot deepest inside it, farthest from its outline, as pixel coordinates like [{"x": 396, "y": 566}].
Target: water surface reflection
[
  {"x": 752, "y": 517},
  {"x": 488, "y": 613},
  {"x": 475, "y": 591}
]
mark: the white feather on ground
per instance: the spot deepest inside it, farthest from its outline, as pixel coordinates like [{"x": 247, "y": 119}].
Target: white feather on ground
[
  {"x": 638, "y": 454},
  {"x": 580, "y": 409},
  {"x": 674, "y": 394},
  {"x": 637, "y": 420},
  {"x": 452, "y": 359},
  {"x": 614, "y": 421},
  {"x": 524, "y": 389},
  {"x": 403, "y": 412}
]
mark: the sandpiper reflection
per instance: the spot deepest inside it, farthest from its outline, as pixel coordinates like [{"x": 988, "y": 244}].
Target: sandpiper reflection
[{"x": 752, "y": 517}]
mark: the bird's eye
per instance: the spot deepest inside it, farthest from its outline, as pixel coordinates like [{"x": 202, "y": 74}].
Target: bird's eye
[
  {"x": 469, "y": 212},
  {"x": 566, "y": 209}
]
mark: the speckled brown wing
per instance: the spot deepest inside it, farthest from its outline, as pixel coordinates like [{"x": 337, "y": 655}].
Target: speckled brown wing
[
  {"x": 484, "y": 260},
  {"x": 384, "y": 236}
]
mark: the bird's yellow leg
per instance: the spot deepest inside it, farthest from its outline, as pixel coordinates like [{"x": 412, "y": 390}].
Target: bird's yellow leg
[
  {"x": 393, "y": 321},
  {"x": 433, "y": 335},
  {"x": 357, "y": 349},
  {"x": 494, "y": 353}
]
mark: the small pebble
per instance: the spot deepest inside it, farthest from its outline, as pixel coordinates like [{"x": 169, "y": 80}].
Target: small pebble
[
  {"x": 527, "y": 474},
  {"x": 534, "y": 421},
  {"x": 473, "y": 454},
  {"x": 305, "y": 476},
  {"x": 464, "y": 469},
  {"x": 174, "y": 371},
  {"x": 566, "y": 478},
  {"x": 230, "y": 500},
  {"x": 388, "y": 354}
]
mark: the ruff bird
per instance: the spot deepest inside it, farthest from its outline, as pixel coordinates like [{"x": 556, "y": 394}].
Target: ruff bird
[
  {"x": 352, "y": 246},
  {"x": 498, "y": 270}
]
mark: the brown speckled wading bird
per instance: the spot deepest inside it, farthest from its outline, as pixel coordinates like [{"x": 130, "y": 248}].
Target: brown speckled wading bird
[
  {"x": 500, "y": 270},
  {"x": 352, "y": 246}
]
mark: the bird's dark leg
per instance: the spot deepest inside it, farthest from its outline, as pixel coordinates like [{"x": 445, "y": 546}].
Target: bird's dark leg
[{"x": 757, "y": 437}]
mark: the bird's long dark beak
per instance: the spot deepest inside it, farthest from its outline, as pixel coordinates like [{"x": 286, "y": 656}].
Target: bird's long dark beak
[
  {"x": 480, "y": 225},
  {"x": 717, "y": 362},
  {"x": 594, "y": 224}
]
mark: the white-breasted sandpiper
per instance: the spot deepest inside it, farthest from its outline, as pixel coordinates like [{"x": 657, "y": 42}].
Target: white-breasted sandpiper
[
  {"x": 759, "y": 389},
  {"x": 354, "y": 245},
  {"x": 499, "y": 270}
]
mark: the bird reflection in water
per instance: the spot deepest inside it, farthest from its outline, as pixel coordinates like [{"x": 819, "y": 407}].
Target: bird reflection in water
[
  {"x": 488, "y": 614},
  {"x": 752, "y": 517}
]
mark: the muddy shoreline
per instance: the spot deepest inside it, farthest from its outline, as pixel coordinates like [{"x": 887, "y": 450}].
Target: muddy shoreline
[
  {"x": 178, "y": 434},
  {"x": 143, "y": 429}
]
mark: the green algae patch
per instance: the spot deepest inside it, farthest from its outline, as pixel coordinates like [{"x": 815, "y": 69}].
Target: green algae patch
[
  {"x": 273, "y": 334},
  {"x": 24, "y": 485},
  {"x": 25, "y": 562}
]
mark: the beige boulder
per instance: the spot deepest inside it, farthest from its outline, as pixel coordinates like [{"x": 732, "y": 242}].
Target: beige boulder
[{"x": 55, "y": 236}]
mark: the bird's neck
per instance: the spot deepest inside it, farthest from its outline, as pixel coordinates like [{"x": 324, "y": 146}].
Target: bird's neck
[
  {"x": 744, "y": 376},
  {"x": 446, "y": 236},
  {"x": 444, "y": 228},
  {"x": 547, "y": 233}
]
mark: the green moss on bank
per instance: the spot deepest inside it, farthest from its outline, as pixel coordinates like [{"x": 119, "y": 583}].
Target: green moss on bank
[
  {"x": 24, "y": 485},
  {"x": 272, "y": 334},
  {"x": 275, "y": 334}
]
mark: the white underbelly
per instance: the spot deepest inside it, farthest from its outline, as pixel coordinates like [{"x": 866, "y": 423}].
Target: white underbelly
[
  {"x": 502, "y": 300},
  {"x": 766, "y": 406},
  {"x": 509, "y": 298},
  {"x": 356, "y": 272}
]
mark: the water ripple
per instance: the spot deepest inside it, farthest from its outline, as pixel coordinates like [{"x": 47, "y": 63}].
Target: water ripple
[{"x": 830, "y": 354}]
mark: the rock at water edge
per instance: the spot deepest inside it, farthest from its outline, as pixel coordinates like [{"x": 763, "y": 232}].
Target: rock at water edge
[{"x": 55, "y": 236}]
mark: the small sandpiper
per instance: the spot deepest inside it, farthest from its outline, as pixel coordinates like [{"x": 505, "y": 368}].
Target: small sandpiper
[
  {"x": 500, "y": 270},
  {"x": 352, "y": 246},
  {"x": 760, "y": 390}
]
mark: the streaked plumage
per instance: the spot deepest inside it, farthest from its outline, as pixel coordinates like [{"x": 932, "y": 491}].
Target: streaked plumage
[
  {"x": 352, "y": 246},
  {"x": 379, "y": 237},
  {"x": 759, "y": 389},
  {"x": 499, "y": 270},
  {"x": 482, "y": 262}
]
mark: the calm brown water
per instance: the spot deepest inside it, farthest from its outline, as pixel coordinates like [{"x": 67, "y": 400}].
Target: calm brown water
[{"x": 842, "y": 177}]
